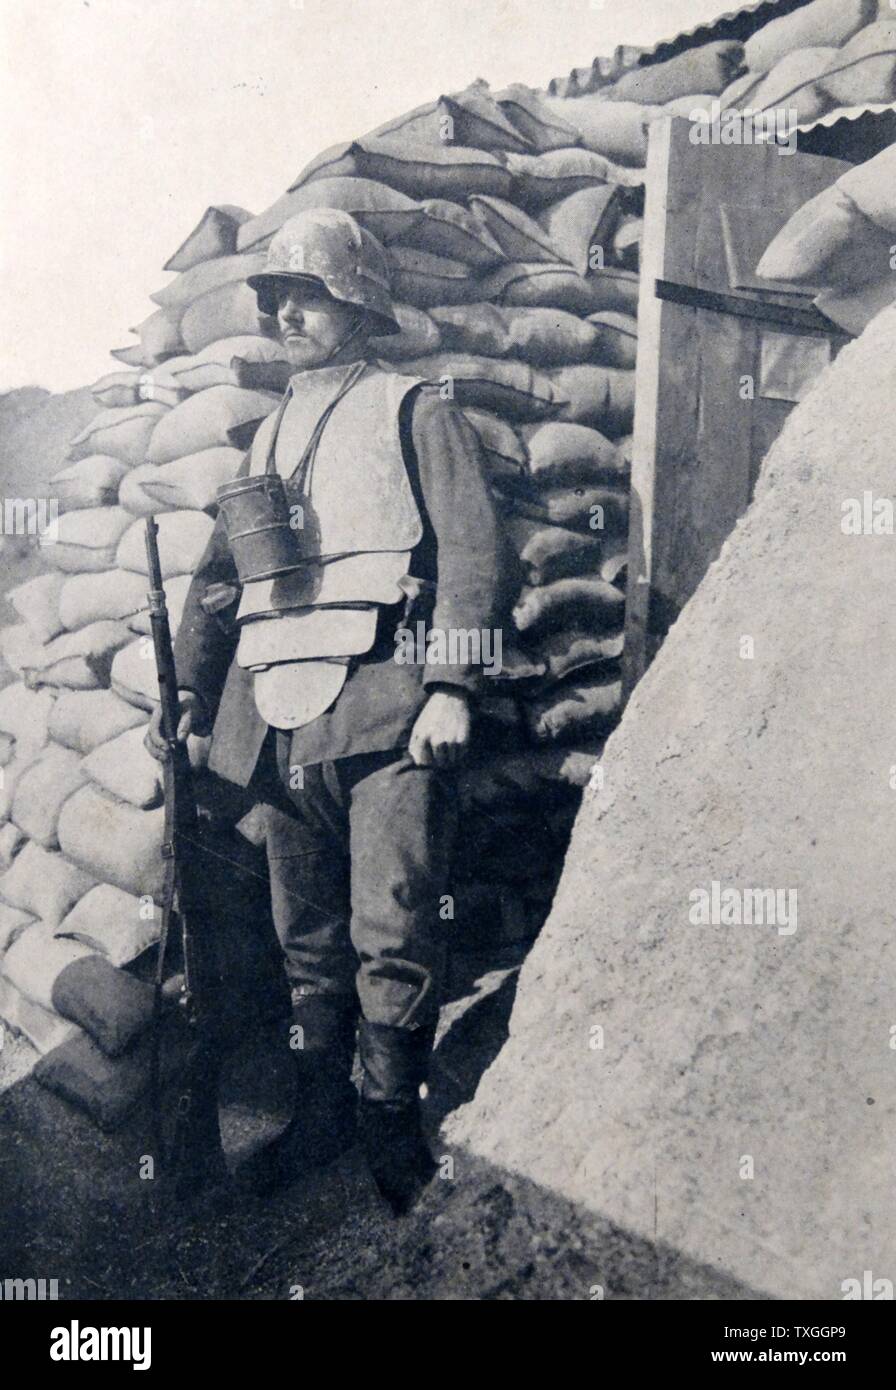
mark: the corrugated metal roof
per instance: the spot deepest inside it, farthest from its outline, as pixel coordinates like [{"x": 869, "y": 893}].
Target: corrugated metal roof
[
  {"x": 748, "y": 18},
  {"x": 850, "y": 113},
  {"x": 739, "y": 23}
]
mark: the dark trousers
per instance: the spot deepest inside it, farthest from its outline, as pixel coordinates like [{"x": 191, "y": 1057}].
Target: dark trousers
[{"x": 360, "y": 857}]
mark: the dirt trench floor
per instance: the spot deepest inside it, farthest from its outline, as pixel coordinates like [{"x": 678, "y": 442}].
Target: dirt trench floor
[{"x": 73, "y": 1209}]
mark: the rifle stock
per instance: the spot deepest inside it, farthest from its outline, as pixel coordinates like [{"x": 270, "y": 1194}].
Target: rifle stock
[{"x": 195, "y": 1157}]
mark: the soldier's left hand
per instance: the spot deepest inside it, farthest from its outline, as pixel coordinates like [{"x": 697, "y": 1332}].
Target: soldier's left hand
[{"x": 441, "y": 735}]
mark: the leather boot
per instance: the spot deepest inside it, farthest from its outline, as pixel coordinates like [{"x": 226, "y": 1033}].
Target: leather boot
[
  {"x": 324, "y": 1124},
  {"x": 395, "y": 1063}
]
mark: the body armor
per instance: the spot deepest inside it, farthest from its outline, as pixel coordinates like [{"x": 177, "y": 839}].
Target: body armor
[{"x": 336, "y": 444}]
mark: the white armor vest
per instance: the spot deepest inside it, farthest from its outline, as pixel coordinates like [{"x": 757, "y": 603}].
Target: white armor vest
[{"x": 360, "y": 525}]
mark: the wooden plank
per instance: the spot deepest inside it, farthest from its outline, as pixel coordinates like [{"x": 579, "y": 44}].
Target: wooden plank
[
  {"x": 698, "y": 441},
  {"x": 658, "y": 323},
  {"x": 805, "y": 319}
]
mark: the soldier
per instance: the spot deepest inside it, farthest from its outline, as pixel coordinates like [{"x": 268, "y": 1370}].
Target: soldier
[{"x": 299, "y": 685}]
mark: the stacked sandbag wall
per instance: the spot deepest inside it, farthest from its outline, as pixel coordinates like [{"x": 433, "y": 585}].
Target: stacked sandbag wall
[{"x": 514, "y": 251}]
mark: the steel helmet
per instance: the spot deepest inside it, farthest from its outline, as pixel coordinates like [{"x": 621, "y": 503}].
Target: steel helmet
[{"x": 327, "y": 246}]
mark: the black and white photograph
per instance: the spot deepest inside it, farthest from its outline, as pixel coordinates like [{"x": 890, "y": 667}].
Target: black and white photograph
[{"x": 448, "y": 668}]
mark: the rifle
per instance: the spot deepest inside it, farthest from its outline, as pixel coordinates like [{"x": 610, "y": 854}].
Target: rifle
[{"x": 195, "y": 1157}]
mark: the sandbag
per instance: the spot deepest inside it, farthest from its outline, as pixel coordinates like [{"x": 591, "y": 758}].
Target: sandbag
[
  {"x": 430, "y": 171},
  {"x": 175, "y": 597},
  {"x": 132, "y": 494},
  {"x": 92, "y": 597},
  {"x": 12, "y": 771},
  {"x": 45, "y": 884},
  {"x": 419, "y": 335},
  {"x": 20, "y": 649},
  {"x": 107, "y": 1089},
  {"x": 581, "y": 226},
  {"x": 90, "y": 482},
  {"x": 617, "y": 130},
  {"x": 25, "y": 714},
  {"x": 336, "y": 161},
  {"x": 386, "y": 212},
  {"x": 202, "y": 421},
  {"x": 581, "y": 507},
  {"x": 852, "y": 310},
  {"x": 113, "y": 842},
  {"x": 123, "y": 768},
  {"x": 424, "y": 124},
  {"x": 11, "y": 841},
  {"x": 88, "y": 539},
  {"x": 563, "y": 455},
  {"x": 519, "y": 236},
  {"x": 590, "y": 602},
  {"x": 489, "y": 782},
  {"x": 42, "y": 790},
  {"x": 228, "y": 312},
  {"x": 537, "y": 284},
  {"x": 617, "y": 339},
  {"x": 478, "y": 121},
  {"x": 614, "y": 562},
  {"x": 686, "y": 106},
  {"x": 615, "y": 290},
  {"x": 134, "y": 675},
  {"x": 541, "y": 179},
  {"x": 533, "y": 118},
  {"x": 154, "y": 385},
  {"x": 36, "y": 958},
  {"x": 824, "y": 22},
  {"x": 83, "y": 719},
  {"x": 116, "y": 388},
  {"x": 505, "y": 453},
  {"x": 447, "y": 229},
  {"x": 214, "y": 364},
  {"x": 626, "y": 243},
  {"x": 599, "y": 396},
  {"x": 792, "y": 84},
  {"x": 828, "y": 242},
  {"x": 123, "y": 432},
  {"x": 111, "y": 1006},
  {"x": 542, "y": 337},
  {"x": 193, "y": 481},
  {"x": 81, "y": 660},
  {"x": 131, "y": 356},
  {"x": 13, "y": 920},
  {"x": 577, "y": 709},
  {"x": 513, "y": 389},
  {"x": 864, "y": 70},
  {"x": 427, "y": 280},
  {"x": 116, "y": 924},
  {"x": 574, "y": 649},
  {"x": 208, "y": 275},
  {"x": 37, "y": 604},
  {"x": 182, "y": 537},
  {"x": 739, "y": 95},
  {"x": 708, "y": 68},
  {"x": 160, "y": 337},
  {"x": 551, "y": 552},
  {"x": 213, "y": 235},
  {"x": 43, "y": 1029},
  {"x": 872, "y": 187},
  {"x": 257, "y": 376}
]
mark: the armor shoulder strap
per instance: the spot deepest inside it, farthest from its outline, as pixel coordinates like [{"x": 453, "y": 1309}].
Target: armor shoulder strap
[{"x": 264, "y": 439}]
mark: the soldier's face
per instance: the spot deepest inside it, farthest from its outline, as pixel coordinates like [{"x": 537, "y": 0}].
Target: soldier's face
[{"x": 312, "y": 324}]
